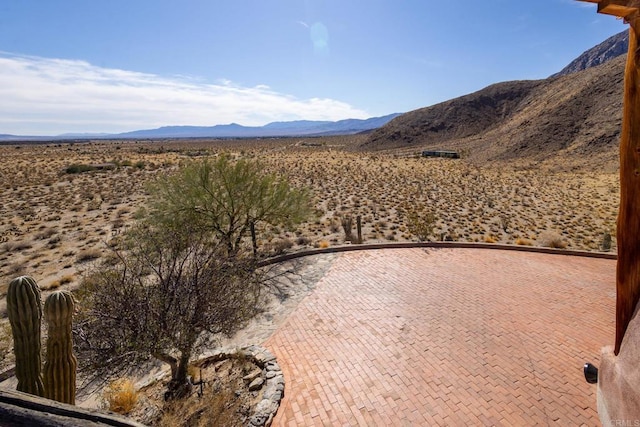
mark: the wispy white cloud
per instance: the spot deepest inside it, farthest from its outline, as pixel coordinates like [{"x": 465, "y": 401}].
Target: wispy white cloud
[{"x": 42, "y": 96}]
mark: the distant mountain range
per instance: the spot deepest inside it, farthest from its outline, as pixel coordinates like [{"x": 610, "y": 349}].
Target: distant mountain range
[
  {"x": 572, "y": 118},
  {"x": 233, "y": 130}
]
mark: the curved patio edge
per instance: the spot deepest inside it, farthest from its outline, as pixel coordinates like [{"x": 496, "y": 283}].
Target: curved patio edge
[{"x": 437, "y": 245}]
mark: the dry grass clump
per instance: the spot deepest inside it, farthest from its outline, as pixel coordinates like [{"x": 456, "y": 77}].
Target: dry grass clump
[
  {"x": 17, "y": 246},
  {"x": 64, "y": 280},
  {"x": 120, "y": 396},
  {"x": 278, "y": 246},
  {"x": 6, "y": 341},
  {"x": 323, "y": 244},
  {"x": 521, "y": 241},
  {"x": 191, "y": 413},
  {"x": 88, "y": 255},
  {"x": 551, "y": 239},
  {"x": 17, "y": 269},
  {"x": 46, "y": 233}
]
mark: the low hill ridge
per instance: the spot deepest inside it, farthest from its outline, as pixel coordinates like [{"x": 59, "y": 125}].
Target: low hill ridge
[{"x": 574, "y": 117}]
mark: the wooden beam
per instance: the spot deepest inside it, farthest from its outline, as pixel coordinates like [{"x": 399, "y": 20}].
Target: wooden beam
[{"x": 619, "y": 8}]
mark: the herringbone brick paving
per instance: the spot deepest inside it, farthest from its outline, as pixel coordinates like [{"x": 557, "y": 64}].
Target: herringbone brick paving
[{"x": 416, "y": 337}]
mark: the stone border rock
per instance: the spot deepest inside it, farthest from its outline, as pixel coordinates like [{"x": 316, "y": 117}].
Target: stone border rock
[{"x": 271, "y": 374}]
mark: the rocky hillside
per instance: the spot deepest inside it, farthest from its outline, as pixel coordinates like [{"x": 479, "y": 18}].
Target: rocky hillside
[
  {"x": 604, "y": 52},
  {"x": 567, "y": 120}
]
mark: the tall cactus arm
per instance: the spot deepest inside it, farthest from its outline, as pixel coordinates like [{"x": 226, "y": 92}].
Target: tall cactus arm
[
  {"x": 25, "y": 313},
  {"x": 60, "y": 366}
]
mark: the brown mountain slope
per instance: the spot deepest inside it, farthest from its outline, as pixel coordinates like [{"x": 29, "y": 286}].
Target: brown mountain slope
[
  {"x": 569, "y": 120},
  {"x": 609, "y": 49}
]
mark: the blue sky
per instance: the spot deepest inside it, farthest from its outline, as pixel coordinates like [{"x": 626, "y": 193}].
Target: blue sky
[{"x": 120, "y": 65}]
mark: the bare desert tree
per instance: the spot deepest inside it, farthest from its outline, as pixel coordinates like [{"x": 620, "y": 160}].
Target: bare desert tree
[
  {"x": 182, "y": 277},
  {"x": 165, "y": 297}
]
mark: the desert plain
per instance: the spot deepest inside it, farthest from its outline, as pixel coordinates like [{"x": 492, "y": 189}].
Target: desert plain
[{"x": 56, "y": 221}]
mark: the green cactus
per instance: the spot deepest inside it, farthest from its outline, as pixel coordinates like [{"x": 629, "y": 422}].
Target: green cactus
[
  {"x": 25, "y": 312},
  {"x": 60, "y": 366}
]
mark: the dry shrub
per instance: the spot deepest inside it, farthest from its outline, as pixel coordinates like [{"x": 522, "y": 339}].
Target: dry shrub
[
  {"x": 18, "y": 268},
  {"x": 46, "y": 233},
  {"x": 54, "y": 242},
  {"x": 78, "y": 168},
  {"x": 279, "y": 246},
  {"x": 122, "y": 211},
  {"x": 120, "y": 396},
  {"x": 17, "y": 246},
  {"x": 66, "y": 279},
  {"x": 550, "y": 239},
  {"x": 489, "y": 239},
  {"x": 420, "y": 222},
  {"x": 57, "y": 283},
  {"x": 191, "y": 412},
  {"x": 303, "y": 240},
  {"x": 524, "y": 242},
  {"x": 110, "y": 259},
  {"x": 323, "y": 244},
  {"x": 6, "y": 341},
  {"x": 88, "y": 255},
  {"x": 54, "y": 285}
]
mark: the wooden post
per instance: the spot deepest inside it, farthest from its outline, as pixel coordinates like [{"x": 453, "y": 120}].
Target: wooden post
[
  {"x": 628, "y": 232},
  {"x": 359, "y": 228}
]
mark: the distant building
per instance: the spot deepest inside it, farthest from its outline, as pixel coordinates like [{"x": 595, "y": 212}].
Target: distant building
[{"x": 445, "y": 154}]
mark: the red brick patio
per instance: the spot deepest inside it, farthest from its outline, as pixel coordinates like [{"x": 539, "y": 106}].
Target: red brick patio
[{"x": 447, "y": 337}]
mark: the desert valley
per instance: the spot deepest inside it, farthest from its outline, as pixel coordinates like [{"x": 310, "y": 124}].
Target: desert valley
[
  {"x": 538, "y": 167},
  {"x": 57, "y": 221}
]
